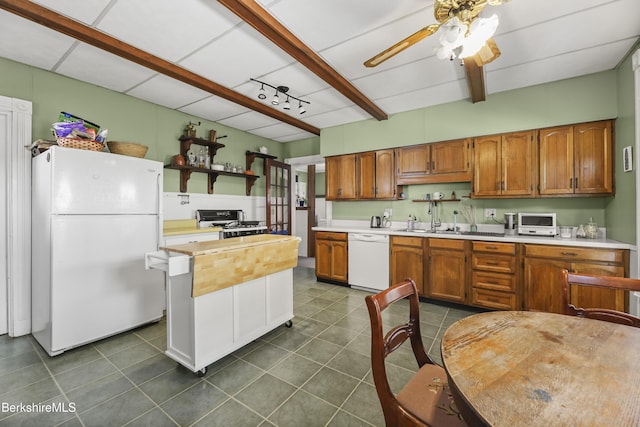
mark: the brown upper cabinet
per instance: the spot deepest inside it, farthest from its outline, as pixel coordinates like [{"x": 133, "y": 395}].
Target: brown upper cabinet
[
  {"x": 375, "y": 175},
  {"x": 448, "y": 161},
  {"x": 340, "y": 177},
  {"x": 504, "y": 165},
  {"x": 577, "y": 160},
  {"x": 361, "y": 176}
]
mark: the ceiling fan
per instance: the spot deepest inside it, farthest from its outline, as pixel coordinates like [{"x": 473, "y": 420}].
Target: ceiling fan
[{"x": 464, "y": 35}]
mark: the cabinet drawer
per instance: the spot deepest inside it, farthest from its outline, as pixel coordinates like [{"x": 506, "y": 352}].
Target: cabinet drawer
[
  {"x": 570, "y": 252},
  {"x": 497, "y": 263},
  {"x": 493, "y": 299},
  {"x": 494, "y": 281},
  {"x": 447, "y": 244},
  {"x": 415, "y": 242},
  {"x": 493, "y": 247},
  {"x": 328, "y": 235}
]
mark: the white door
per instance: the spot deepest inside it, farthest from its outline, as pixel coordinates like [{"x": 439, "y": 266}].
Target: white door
[{"x": 4, "y": 129}]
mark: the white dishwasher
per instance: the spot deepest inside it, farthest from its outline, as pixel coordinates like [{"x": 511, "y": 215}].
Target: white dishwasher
[{"x": 369, "y": 261}]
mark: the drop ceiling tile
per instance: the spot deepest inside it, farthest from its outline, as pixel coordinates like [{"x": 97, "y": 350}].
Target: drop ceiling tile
[
  {"x": 324, "y": 23},
  {"x": 168, "y": 29},
  {"x": 222, "y": 61},
  {"x": 443, "y": 93},
  {"x": 163, "y": 90},
  {"x": 248, "y": 121},
  {"x": 214, "y": 108},
  {"x": 30, "y": 43},
  {"x": 337, "y": 117},
  {"x": 569, "y": 65},
  {"x": 279, "y": 131},
  {"x": 96, "y": 66},
  {"x": 86, "y": 11}
]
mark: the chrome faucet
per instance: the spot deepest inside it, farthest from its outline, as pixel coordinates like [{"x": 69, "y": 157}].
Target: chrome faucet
[{"x": 435, "y": 221}]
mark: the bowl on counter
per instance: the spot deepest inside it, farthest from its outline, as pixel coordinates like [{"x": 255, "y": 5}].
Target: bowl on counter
[{"x": 565, "y": 232}]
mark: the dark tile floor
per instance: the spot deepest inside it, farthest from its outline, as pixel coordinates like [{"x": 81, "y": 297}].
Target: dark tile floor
[{"x": 316, "y": 373}]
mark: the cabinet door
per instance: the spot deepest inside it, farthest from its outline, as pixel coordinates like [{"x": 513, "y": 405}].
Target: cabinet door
[
  {"x": 451, "y": 157},
  {"x": 407, "y": 261},
  {"x": 543, "y": 284},
  {"x": 339, "y": 261},
  {"x": 447, "y": 278},
  {"x": 412, "y": 163},
  {"x": 518, "y": 160},
  {"x": 332, "y": 177},
  {"x": 593, "y": 150},
  {"x": 385, "y": 177},
  {"x": 487, "y": 174},
  {"x": 591, "y": 297},
  {"x": 323, "y": 258},
  {"x": 556, "y": 160},
  {"x": 367, "y": 175}
]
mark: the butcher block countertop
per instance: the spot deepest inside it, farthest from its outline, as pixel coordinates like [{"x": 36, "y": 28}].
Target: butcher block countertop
[
  {"x": 218, "y": 264},
  {"x": 177, "y": 227}
]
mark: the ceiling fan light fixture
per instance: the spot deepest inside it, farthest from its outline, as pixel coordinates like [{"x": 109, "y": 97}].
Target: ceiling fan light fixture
[{"x": 480, "y": 31}]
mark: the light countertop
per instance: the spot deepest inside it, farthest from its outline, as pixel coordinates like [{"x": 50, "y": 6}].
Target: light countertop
[
  {"x": 177, "y": 227},
  {"x": 217, "y": 246},
  {"x": 602, "y": 242}
]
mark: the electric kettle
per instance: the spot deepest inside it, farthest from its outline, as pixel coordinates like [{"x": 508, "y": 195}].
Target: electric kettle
[{"x": 376, "y": 222}]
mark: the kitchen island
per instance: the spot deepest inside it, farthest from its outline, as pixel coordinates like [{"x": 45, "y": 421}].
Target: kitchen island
[{"x": 223, "y": 294}]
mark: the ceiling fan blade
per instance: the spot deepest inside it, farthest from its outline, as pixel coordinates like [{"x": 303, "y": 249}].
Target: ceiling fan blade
[
  {"x": 402, "y": 45},
  {"x": 474, "y": 67}
]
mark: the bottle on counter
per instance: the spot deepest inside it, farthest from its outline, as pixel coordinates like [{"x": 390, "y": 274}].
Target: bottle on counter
[{"x": 580, "y": 233}]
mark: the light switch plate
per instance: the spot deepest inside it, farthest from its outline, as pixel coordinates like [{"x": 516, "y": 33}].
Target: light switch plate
[{"x": 627, "y": 159}]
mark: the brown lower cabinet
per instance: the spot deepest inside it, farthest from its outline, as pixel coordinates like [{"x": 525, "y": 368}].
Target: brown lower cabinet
[
  {"x": 407, "y": 260},
  {"x": 331, "y": 256},
  {"x": 494, "y": 278},
  {"x": 542, "y": 276},
  {"x": 447, "y": 277}
]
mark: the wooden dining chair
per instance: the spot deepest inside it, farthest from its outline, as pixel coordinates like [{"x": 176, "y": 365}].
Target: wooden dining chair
[
  {"x": 425, "y": 400},
  {"x": 614, "y": 283}
]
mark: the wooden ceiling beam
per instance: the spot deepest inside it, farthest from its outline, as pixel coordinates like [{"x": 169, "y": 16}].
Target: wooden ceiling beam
[
  {"x": 254, "y": 15},
  {"x": 86, "y": 34}
]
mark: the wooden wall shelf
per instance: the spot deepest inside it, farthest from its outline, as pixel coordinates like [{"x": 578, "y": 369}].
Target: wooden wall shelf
[{"x": 212, "y": 175}]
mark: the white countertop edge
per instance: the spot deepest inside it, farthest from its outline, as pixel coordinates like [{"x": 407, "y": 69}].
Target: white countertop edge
[{"x": 602, "y": 243}]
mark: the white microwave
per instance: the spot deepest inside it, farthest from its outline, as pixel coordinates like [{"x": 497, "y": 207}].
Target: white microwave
[{"x": 537, "y": 224}]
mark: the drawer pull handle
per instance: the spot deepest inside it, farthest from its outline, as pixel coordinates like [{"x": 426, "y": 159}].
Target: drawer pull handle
[
  {"x": 491, "y": 247},
  {"x": 569, "y": 253},
  {"x": 492, "y": 263}
]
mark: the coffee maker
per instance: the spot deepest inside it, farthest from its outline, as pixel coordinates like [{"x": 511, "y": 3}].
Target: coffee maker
[{"x": 510, "y": 224}]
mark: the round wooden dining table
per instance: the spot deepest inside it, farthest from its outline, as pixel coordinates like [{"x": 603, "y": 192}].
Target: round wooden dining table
[{"x": 520, "y": 368}]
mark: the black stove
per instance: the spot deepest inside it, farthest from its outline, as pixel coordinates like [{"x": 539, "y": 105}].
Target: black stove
[{"x": 231, "y": 220}]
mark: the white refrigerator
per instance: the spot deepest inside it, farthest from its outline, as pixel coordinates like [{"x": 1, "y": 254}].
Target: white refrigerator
[{"x": 94, "y": 216}]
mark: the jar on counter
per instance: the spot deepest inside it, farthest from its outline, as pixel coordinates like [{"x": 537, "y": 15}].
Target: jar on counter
[{"x": 591, "y": 229}]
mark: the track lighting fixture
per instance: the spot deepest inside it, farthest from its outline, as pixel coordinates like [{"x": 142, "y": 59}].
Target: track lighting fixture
[
  {"x": 276, "y": 99},
  {"x": 262, "y": 94}
]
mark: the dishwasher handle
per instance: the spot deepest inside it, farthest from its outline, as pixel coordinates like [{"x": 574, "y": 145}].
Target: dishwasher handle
[{"x": 361, "y": 237}]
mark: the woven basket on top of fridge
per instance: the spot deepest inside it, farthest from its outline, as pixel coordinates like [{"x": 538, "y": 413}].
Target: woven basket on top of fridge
[{"x": 83, "y": 144}]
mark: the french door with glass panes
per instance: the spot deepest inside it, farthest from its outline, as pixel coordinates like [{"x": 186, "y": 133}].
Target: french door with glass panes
[{"x": 278, "y": 176}]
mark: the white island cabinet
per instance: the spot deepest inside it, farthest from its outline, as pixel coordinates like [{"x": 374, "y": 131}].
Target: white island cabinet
[{"x": 223, "y": 294}]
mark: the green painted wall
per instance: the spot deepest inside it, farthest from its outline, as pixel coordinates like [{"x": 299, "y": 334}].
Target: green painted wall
[
  {"x": 131, "y": 119},
  {"x": 302, "y": 148},
  {"x": 592, "y": 97},
  {"x": 620, "y": 210}
]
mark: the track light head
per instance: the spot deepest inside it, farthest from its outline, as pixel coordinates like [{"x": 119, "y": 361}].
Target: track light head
[
  {"x": 287, "y": 105},
  {"x": 275, "y": 100},
  {"x": 301, "y": 108},
  {"x": 261, "y": 93}
]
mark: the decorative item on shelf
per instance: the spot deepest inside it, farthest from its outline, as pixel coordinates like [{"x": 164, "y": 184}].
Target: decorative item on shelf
[
  {"x": 217, "y": 167},
  {"x": 249, "y": 172},
  {"x": 192, "y": 158},
  {"x": 276, "y": 99},
  {"x": 453, "y": 195},
  {"x": 190, "y": 130},
  {"x": 212, "y": 135},
  {"x": 263, "y": 149},
  {"x": 178, "y": 160}
]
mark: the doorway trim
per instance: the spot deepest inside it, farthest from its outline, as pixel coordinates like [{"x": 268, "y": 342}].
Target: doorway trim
[{"x": 15, "y": 138}]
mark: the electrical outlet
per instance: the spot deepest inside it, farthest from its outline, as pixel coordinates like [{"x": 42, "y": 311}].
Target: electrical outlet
[
  {"x": 489, "y": 213},
  {"x": 388, "y": 212}
]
